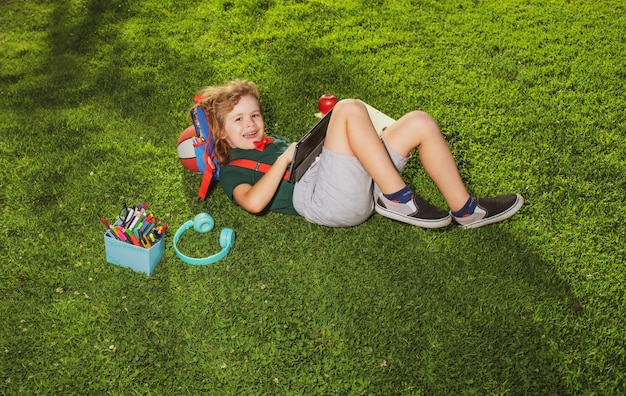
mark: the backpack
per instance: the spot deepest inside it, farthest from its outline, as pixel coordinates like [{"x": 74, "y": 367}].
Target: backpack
[{"x": 206, "y": 159}]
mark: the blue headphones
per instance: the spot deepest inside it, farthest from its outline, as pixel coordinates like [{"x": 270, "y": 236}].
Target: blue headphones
[{"x": 203, "y": 222}]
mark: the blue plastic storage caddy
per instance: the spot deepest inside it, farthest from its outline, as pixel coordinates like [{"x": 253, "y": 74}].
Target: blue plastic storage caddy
[{"x": 136, "y": 257}]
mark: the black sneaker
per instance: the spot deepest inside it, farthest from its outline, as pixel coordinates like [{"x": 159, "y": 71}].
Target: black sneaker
[
  {"x": 491, "y": 210},
  {"x": 417, "y": 212}
]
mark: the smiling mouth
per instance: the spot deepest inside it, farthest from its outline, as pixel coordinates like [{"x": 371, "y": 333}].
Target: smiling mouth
[{"x": 250, "y": 135}]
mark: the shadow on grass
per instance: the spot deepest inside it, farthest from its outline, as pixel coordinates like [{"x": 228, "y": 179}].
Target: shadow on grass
[
  {"x": 511, "y": 314},
  {"x": 74, "y": 35},
  {"x": 447, "y": 312},
  {"x": 90, "y": 86}
]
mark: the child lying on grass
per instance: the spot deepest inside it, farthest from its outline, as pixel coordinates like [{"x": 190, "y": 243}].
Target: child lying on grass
[{"x": 357, "y": 171}]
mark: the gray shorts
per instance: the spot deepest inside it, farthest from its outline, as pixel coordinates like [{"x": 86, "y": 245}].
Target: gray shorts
[{"x": 336, "y": 191}]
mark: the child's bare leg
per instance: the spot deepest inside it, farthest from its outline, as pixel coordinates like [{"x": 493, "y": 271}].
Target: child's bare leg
[
  {"x": 418, "y": 130},
  {"x": 351, "y": 132}
]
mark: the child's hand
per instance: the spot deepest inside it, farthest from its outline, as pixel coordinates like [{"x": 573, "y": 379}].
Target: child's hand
[{"x": 287, "y": 155}]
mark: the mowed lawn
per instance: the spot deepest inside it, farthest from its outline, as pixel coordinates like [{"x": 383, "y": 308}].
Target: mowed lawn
[{"x": 529, "y": 94}]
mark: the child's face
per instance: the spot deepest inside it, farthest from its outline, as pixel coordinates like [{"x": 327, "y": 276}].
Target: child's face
[{"x": 244, "y": 124}]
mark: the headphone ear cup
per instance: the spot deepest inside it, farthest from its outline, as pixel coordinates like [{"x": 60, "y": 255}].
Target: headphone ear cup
[
  {"x": 203, "y": 222},
  {"x": 227, "y": 238}
]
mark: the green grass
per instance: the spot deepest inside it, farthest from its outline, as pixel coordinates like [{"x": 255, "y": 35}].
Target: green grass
[{"x": 530, "y": 94}]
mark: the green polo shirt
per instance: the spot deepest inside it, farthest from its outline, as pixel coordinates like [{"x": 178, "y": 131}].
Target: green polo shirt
[{"x": 232, "y": 176}]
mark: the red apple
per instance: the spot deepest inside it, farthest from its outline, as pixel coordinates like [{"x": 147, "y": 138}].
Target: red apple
[{"x": 326, "y": 102}]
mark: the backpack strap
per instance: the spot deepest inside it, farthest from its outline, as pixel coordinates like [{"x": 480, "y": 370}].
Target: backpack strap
[
  {"x": 255, "y": 166},
  {"x": 207, "y": 176},
  {"x": 204, "y": 149},
  {"x": 211, "y": 169}
]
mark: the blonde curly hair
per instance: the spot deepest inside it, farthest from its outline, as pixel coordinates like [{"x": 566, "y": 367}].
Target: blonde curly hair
[{"x": 217, "y": 102}]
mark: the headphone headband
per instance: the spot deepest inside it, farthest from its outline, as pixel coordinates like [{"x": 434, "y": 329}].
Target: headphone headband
[{"x": 203, "y": 222}]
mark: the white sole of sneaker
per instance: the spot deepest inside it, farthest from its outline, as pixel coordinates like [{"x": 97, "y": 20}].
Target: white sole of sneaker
[
  {"x": 494, "y": 219},
  {"x": 424, "y": 223}
]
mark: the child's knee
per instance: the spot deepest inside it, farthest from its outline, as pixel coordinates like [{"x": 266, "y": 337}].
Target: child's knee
[
  {"x": 422, "y": 121},
  {"x": 421, "y": 117},
  {"x": 349, "y": 106}
]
